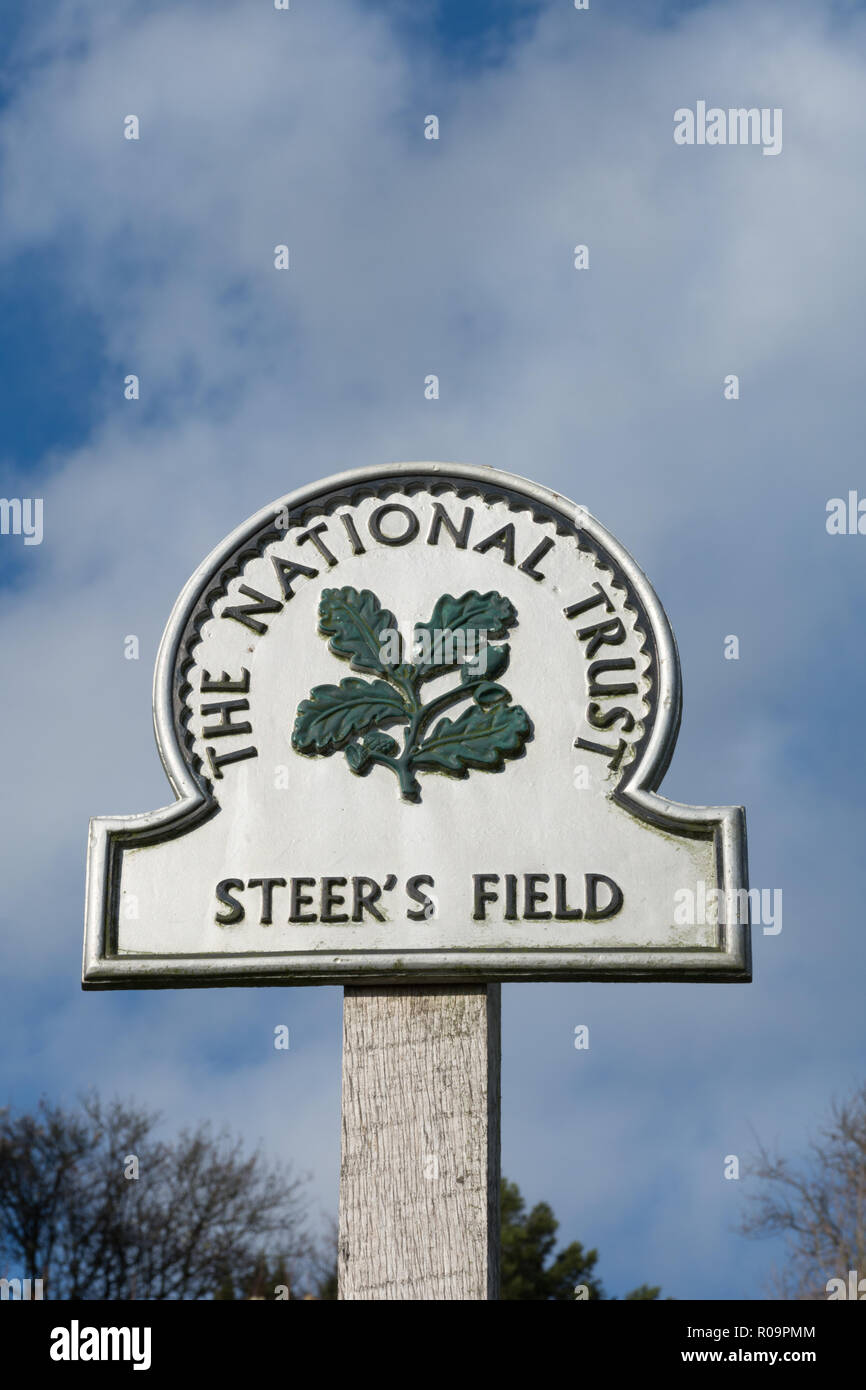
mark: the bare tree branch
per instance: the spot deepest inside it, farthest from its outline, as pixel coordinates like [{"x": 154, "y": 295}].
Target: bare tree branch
[
  {"x": 201, "y": 1211},
  {"x": 818, "y": 1205}
]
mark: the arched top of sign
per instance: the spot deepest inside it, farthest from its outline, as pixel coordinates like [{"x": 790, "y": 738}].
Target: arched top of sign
[{"x": 219, "y": 584}]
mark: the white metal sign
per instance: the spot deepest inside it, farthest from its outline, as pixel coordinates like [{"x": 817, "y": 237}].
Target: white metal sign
[{"x": 415, "y": 718}]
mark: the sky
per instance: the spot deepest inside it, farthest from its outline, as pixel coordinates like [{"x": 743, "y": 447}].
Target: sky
[{"x": 455, "y": 257}]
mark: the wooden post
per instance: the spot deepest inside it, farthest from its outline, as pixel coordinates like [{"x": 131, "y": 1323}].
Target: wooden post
[{"x": 419, "y": 1180}]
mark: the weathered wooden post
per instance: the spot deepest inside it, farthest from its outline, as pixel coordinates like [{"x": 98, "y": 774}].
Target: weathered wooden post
[
  {"x": 419, "y": 1180},
  {"x": 415, "y": 718}
]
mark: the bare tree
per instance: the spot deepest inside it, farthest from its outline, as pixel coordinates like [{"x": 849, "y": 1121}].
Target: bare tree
[
  {"x": 818, "y": 1205},
  {"x": 95, "y": 1205}
]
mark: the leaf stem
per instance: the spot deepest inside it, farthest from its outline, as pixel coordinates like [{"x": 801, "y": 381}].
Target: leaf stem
[
  {"x": 409, "y": 784},
  {"x": 418, "y": 720},
  {"x": 443, "y": 701}
]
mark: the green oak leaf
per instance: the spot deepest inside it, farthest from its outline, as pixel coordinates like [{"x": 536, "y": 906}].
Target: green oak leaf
[
  {"x": 479, "y": 738},
  {"x": 335, "y": 713},
  {"x": 490, "y": 663},
  {"x": 472, "y": 612},
  {"x": 357, "y": 625}
]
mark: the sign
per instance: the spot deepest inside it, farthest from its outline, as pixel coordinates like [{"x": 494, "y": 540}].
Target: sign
[{"x": 415, "y": 718}]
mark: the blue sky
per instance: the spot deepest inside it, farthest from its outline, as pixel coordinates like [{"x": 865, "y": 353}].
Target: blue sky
[{"x": 455, "y": 257}]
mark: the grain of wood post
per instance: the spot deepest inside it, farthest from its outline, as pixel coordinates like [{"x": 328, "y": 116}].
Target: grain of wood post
[{"x": 419, "y": 1181}]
